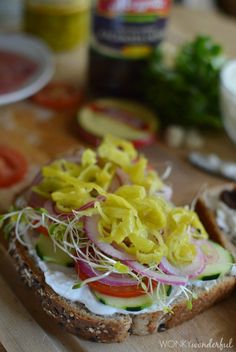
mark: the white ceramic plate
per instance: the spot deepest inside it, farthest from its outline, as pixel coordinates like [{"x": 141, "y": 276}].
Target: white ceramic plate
[{"x": 38, "y": 52}]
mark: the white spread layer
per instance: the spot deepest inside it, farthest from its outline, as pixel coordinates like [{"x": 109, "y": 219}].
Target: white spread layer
[
  {"x": 61, "y": 279},
  {"x": 225, "y": 216}
]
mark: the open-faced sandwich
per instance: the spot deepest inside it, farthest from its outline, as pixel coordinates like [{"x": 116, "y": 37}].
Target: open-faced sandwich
[{"x": 98, "y": 239}]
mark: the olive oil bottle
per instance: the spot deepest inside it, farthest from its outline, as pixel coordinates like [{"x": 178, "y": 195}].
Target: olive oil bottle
[{"x": 124, "y": 33}]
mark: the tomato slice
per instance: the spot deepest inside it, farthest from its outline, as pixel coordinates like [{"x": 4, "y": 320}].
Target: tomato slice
[
  {"x": 41, "y": 229},
  {"x": 123, "y": 115},
  {"x": 115, "y": 291},
  {"x": 122, "y": 118},
  {"x": 58, "y": 96},
  {"x": 13, "y": 166}
]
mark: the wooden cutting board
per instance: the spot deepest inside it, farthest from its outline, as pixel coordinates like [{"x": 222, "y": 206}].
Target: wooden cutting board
[{"x": 23, "y": 325}]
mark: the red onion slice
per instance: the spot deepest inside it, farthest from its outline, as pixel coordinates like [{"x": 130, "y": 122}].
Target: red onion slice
[
  {"x": 112, "y": 279},
  {"x": 76, "y": 157},
  {"x": 92, "y": 203},
  {"x": 191, "y": 271},
  {"x": 49, "y": 206},
  {"x": 120, "y": 178},
  {"x": 83, "y": 207},
  {"x": 123, "y": 177},
  {"x": 35, "y": 200},
  {"x": 91, "y": 229},
  {"x": 156, "y": 276},
  {"x": 211, "y": 255},
  {"x": 37, "y": 179},
  {"x": 115, "y": 184}
]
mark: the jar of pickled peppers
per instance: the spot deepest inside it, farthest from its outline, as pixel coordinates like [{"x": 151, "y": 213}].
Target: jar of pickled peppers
[{"x": 63, "y": 24}]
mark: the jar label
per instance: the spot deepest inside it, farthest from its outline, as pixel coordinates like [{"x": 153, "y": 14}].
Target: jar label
[
  {"x": 132, "y": 6},
  {"x": 129, "y": 28}
]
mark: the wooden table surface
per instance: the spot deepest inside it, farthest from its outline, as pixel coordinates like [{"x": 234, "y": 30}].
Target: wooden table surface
[{"x": 40, "y": 134}]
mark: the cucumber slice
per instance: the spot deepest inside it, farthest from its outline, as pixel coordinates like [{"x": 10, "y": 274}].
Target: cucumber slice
[
  {"x": 51, "y": 254},
  {"x": 220, "y": 266},
  {"x": 133, "y": 304}
]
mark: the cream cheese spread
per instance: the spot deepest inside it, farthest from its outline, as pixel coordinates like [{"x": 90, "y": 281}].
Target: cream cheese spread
[{"x": 62, "y": 279}]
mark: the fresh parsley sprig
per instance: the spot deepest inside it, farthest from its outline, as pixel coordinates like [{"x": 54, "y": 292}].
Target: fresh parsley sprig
[{"x": 186, "y": 93}]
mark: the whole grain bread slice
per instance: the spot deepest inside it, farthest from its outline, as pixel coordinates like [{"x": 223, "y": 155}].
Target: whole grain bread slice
[
  {"x": 78, "y": 320},
  {"x": 208, "y": 216}
]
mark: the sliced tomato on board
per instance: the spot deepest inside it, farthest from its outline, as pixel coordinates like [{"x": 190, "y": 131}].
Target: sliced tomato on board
[
  {"x": 123, "y": 115},
  {"x": 58, "y": 96},
  {"x": 13, "y": 166},
  {"x": 124, "y": 119},
  {"x": 116, "y": 291}
]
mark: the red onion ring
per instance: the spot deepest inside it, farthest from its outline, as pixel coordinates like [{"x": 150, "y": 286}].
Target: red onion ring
[
  {"x": 35, "y": 200},
  {"x": 83, "y": 207},
  {"x": 91, "y": 229},
  {"x": 123, "y": 177},
  {"x": 49, "y": 206},
  {"x": 112, "y": 279},
  {"x": 156, "y": 276},
  {"x": 37, "y": 179},
  {"x": 115, "y": 184},
  {"x": 120, "y": 178},
  {"x": 76, "y": 157},
  {"x": 92, "y": 203},
  {"x": 213, "y": 255},
  {"x": 192, "y": 270}
]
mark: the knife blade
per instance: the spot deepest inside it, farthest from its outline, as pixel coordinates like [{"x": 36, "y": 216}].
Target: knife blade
[{"x": 213, "y": 164}]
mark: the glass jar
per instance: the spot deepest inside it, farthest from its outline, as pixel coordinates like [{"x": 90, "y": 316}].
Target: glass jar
[
  {"x": 124, "y": 34},
  {"x": 228, "y": 98},
  {"x": 63, "y": 24}
]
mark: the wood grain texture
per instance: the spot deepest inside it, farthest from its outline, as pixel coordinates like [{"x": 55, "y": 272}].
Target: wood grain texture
[
  {"x": 185, "y": 24},
  {"x": 18, "y": 330}
]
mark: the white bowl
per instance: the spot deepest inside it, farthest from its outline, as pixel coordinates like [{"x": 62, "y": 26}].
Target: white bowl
[
  {"x": 228, "y": 98},
  {"x": 33, "y": 49}
]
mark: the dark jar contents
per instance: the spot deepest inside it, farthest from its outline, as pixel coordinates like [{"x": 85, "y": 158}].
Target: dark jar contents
[
  {"x": 124, "y": 34},
  {"x": 229, "y": 198}
]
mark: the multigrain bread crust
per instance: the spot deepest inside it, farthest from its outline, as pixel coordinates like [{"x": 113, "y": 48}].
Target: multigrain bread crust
[
  {"x": 78, "y": 320},
  {"x": 206, "y": 299},
  {"x": 208, "y": 217}
]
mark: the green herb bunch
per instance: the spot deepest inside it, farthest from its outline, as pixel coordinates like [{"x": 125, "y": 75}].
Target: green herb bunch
[{"x": 187, "y": 93}]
